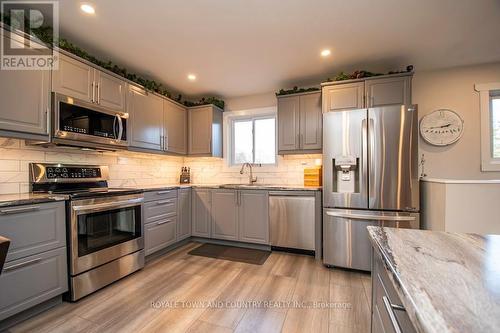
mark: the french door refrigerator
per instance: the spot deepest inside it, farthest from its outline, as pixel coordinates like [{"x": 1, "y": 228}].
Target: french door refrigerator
[{"x": 370, "y": 177}]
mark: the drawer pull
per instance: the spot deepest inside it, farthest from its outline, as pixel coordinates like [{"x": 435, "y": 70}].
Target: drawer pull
[
  {"x": 163, "y": 192},
  {"x": 163, "y": 202},
  {"x": 390, "y": 310},
  {"x": 21, "y": 265},
  {"x": 19, "y": 210},
  {"x": 163, "y": 222}
]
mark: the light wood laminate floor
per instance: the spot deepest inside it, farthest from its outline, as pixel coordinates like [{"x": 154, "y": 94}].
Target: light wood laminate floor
[{"x": 134, "y": 304}]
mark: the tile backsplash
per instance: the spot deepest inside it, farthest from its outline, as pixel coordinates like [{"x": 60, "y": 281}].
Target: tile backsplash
[
  {"x": 289, "y": 170},
  {"x": 130, "y": 169},
  {"x": 125, "y": 168}
]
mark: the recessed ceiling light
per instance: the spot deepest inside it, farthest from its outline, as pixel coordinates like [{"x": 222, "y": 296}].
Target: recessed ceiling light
[
  {"x": 191, "y": 77},
  {"x": 88, "y": 9},
  {"x": 325, "y": 53}
]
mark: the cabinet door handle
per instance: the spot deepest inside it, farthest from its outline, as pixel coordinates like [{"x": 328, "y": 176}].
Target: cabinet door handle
[
  {"x": 392, "y": 316},
  {"x": 19, "y": 210},
  {"x": 93, "y": 92},
  {"x": 163, "y": 192},
  {"x": 21, "y": 265},
  {"x": 98, "y": 88},
  {"x": 166, "y": 140},
  {"x": 163, "y": 222},
  {"x": 161, "y": 143},
  {"x": 162, "y": 202}
]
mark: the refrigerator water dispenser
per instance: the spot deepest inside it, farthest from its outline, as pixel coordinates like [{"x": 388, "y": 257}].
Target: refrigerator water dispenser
[{"x": 345, "y": 174}]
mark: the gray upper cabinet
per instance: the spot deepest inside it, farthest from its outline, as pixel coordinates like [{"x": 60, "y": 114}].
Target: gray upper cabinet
[
  {"x": 201, "y": 210},
  {"x": 110, "y": 91},
  {"x": 25, "y": 102},
  {"x": 205, "y": 131},
  {"x": 388, "y": 91},
  {"x": 311, "y": 122},
  {"x": 253, "y": 216},
  {"x": 184, "y": 214},
  {"x": 224, "y": 214},
  {"x": 146, "y": 119},
  {"x": 74, "y": 78},
  {"x": 346, "y": 96},
  {"x": 366, "y": 93},
  {"x": 300, "y": 123},
  {"x": 78, "y": 80},
  {"x": 175, "y": 127},
  {"x": 288, "y": 123}
]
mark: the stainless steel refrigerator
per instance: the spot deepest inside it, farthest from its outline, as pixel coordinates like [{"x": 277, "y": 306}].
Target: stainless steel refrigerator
[{"x": 370, "y": 177}]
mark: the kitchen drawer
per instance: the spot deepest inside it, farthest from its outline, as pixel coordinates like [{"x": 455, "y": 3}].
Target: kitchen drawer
[
  {"x": 160, "y": 209},
  {"x": 160, "y": 195},
  {"x": 29, "y": 281},
  {"x": 159, "y": 234},
  {"x": 382, "y": 286},
  {"x": 33, "y": 229}
]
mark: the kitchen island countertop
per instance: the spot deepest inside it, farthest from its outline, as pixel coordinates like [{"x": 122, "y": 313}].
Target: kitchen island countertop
[{"x": 448, "y": 282}]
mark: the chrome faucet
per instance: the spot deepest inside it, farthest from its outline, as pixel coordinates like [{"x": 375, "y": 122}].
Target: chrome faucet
[{"x": 251, "y": 178}]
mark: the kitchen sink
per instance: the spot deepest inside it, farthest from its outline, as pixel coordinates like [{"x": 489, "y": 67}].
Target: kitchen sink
[{"x": 243, "y": 185}]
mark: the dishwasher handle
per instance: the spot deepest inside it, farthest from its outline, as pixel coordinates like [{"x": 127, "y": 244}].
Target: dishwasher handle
[{"x": 290, "y": 194}]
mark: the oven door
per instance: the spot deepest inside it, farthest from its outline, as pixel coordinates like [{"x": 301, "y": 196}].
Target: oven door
[
  {"x": 104, "y": 229},
  {"x": 78, "y": 120}
]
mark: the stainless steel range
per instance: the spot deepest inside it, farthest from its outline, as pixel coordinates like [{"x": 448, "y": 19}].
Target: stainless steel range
[{"x": 104, "y": 225}]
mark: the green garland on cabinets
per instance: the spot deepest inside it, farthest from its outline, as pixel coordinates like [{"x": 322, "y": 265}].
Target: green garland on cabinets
[{"x": 45, "y": 35}]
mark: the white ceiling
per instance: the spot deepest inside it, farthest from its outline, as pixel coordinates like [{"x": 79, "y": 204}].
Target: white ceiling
[{"x": 244, "y": 47}]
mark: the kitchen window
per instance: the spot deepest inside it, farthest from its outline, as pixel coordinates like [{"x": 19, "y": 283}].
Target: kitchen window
[
  {"x": 490, "y": 125},
  {"x": 253, "y": 140}
]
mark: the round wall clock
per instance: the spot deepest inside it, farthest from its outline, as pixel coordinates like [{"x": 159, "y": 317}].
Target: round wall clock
[{"x": 441, "y": 127}]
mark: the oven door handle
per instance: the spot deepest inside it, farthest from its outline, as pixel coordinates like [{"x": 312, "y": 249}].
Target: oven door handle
[{"x": 108, "y": 205}]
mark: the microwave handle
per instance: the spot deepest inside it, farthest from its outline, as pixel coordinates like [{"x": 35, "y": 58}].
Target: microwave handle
[{"x": 120, "y": 126}]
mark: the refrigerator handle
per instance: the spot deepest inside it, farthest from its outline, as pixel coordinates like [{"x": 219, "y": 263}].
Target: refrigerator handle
[
  {"x": 371, "y": 217},
  {"x": 371, "y": 156},
  {"x": 363, "y": 175}
]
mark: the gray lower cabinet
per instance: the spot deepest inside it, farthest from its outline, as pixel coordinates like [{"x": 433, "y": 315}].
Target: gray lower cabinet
[
  {"x": 184, "y": 214},
  {"x": 300, "y": 123},
  {"x": 31, "y": 280},
  {"x": 146, "y": 119},
  {"x": 388, "y": 314},
  {"x": 36, "y": 265},
  {"x": 160, "y": 219},
  {"x": 33, "y": 229},
  {"x": 225, "y": 214},
  {"x": 25, "y": 103},
  {"x": 205, "y": 131},
  {"x": 159, "y": 234},
  {"x": 253, "y": 216},
  {"x": 175, "y": 127},
  {"x": 201, "y": 212}
]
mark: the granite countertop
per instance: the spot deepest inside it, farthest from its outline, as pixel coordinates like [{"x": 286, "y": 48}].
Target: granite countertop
[
  {"x": 448, "y": 282},
  {"x": 33, "y": 198},
  {"x": 230, "y": 186},
  {"x": 29, "y": 198}
]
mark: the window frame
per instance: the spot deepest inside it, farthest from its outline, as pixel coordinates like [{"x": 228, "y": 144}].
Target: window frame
[
  {"x": 487, "y": 92},
  {"x": 251, "y": 117}
]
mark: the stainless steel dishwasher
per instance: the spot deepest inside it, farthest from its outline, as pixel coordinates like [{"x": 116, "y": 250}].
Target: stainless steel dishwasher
[{"x": 292, "y": 216}]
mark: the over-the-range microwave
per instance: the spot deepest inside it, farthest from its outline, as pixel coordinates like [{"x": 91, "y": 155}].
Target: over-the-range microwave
[{"x": 84, "y": 124}]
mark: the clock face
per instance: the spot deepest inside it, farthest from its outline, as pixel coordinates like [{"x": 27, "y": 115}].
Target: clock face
[{"x": 441, "y": 127}]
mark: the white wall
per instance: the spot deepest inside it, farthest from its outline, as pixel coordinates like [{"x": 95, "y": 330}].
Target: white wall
[{"x": 454, "y": 89}]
